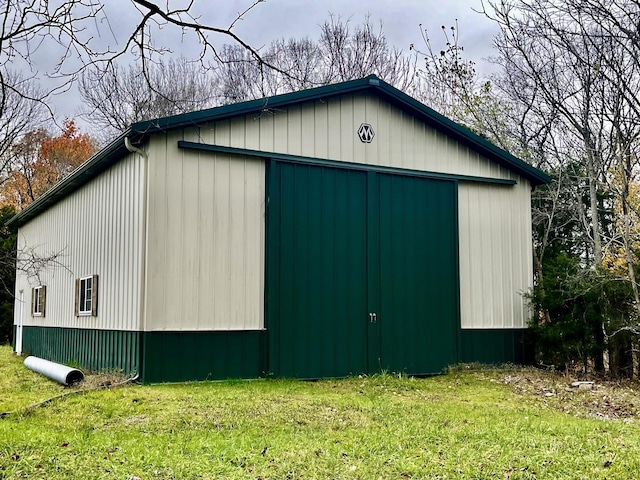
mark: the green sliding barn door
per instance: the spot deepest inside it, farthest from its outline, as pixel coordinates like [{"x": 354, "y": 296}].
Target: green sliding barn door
[
  {"x": 418, "y": 274},
  {"x": 316, "y": 271},
  {"x": 361, "y": 272}
]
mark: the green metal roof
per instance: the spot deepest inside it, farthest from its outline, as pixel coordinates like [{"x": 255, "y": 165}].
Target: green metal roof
[{"x": 139, "y": 132}]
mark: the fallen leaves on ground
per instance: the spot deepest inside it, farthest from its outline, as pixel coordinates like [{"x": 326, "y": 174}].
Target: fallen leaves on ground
[{"x": 604, "y": 399}]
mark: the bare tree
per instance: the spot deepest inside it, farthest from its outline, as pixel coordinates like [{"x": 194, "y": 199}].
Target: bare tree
[
  {"x": 241, "y": 78},
  {"x": 19, "y": 113},
  {"x": 552, "y": 55},
  {"x": 583, "y": 59},
  {"x": 353, "y": 53},
  {"x": 341, "y": 53},
  {"x": 74, "y": 34},
  {"x": 573, "y": 69},
  {"x": 120, "y": 96},
  {"x": 448, "y": 79},
  {"x": 448, "y": 82}
]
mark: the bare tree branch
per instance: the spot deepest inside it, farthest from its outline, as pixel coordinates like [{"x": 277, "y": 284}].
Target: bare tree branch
[{"x": 70, "y": 31}]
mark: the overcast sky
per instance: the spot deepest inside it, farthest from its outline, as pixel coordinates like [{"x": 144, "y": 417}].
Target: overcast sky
[
  {"x": 401, "y": 19},
  {"x": 274, "y": 19}
]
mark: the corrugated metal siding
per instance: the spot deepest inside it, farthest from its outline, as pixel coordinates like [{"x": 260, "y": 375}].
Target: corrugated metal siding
[
  {"x": 495, "y": 255},
  {"x": 206, "y": 239},
  {"x": 328, "y": 129},
  {"x": 97, "y": 230},
  {"x": 90, "y": 348},
  {"x": 495, "y": 228},
  {"x": 496, "y": 346},
  {"x": 200, "y": 355}
]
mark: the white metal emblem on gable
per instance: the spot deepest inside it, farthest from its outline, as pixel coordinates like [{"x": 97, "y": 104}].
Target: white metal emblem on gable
[{"x": 366, "y": 133}]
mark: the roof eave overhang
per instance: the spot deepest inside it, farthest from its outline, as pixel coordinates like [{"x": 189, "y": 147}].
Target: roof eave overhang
[
  {"x": 463, "y": 135},
  {"x": 260, "y": 106}
]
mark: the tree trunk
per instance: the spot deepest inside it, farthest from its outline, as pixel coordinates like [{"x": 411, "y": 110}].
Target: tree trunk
[
  {"x": 543, "y": 315},
  {"x": 626, "y": 237},
  {"x": 593, "y": 201},
  {"x": 598, "y": 359},
  {"x": 626, "y": 234}
]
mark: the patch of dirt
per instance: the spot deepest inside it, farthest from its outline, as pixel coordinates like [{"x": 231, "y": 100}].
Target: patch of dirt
[
  {"x": 101, "y": 380},
  {"x": 593, "y": 397}
]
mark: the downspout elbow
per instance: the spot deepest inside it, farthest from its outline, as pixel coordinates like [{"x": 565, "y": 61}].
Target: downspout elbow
[{"x": 133, "y": 149}]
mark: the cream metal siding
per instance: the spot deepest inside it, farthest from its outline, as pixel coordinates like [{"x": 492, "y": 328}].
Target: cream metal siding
[
  {"x": 205, "y": 266},
  {"x": 97, "y": 230},
  {"x": 495, "y": 254},
  {"x": 190, "y": 256},
  {"x": 495, "y": 221},
  {"x": 328, "y": 129}
]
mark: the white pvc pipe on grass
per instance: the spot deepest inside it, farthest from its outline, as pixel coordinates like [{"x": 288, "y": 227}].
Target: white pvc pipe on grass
[{"x": 55, "y": 371}]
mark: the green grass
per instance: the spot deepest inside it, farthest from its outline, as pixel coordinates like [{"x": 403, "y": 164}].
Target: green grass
[
  {"x": 467, "y": 424},
  {"x": 19, "y": 386}
]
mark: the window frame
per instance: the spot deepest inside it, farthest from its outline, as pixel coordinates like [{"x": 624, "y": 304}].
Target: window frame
[
  {"x": 39, "y": 301},
  {"x": 86, "y": 298}
]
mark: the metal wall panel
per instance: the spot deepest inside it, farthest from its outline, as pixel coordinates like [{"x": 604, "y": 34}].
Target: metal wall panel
[
  {"x": 206, "y": 238},
  {"x": 97, "y": 230},
  {"x": 504, "y": 345},
  {"x": 328, "y": 129},
  {"x": 495, "y": 229},
  {"x": 203, "y": 355},
  {"x": 92, "y": 349},
  {"x": 495, "y": 255}
]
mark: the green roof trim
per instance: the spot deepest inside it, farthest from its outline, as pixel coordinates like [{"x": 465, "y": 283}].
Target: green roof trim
[
  {"x": 284, "y": 157},
  {"x": 253, "y": 106},
  {"x": 139, "y": 132},
  {"x": 465, "y": 136}
]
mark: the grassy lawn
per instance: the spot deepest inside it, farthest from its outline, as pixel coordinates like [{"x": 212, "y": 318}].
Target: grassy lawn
[{"x": 506, "y": 424}]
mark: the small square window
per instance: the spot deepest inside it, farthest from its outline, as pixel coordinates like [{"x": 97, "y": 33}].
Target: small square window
[
  {"x": 87, "y": 296},
  {"x": 38, "y": 301}
]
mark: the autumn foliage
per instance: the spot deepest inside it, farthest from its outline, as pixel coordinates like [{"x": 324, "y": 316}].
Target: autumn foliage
[{"x": 39, "y": 161}]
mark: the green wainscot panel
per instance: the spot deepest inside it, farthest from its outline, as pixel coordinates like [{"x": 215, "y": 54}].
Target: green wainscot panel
[
  {"x": 171, "y": 356},
  {"x": 93, "y": 350},
  {"x": 496, "y": 346}
]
